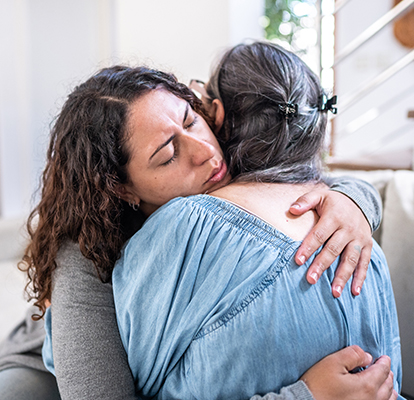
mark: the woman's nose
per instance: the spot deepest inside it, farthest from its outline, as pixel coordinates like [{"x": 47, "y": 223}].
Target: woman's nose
[{"x": 199, "y": 150}]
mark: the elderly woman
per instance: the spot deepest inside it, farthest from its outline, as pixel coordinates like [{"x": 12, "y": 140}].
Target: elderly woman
[{"x": 209, "y": 300}]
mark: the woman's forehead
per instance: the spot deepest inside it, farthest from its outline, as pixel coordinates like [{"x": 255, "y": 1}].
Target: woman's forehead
[
  {"x": 153, "y": 118},
  {"x": 157, "y": 105}
]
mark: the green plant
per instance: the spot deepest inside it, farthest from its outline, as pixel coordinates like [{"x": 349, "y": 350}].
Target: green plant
[{"x": 284, "y": 19}]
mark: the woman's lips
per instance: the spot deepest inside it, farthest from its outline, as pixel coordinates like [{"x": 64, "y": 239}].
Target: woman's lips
[{"x": 219, "y": 173}]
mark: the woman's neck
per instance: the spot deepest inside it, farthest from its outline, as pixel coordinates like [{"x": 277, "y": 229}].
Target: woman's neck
[{"x": 271, "y": 202}]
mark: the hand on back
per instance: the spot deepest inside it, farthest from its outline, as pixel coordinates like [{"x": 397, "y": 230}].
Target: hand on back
[
  {"x": 343, "y": 230},
  {"x": 331, "y": 379}
]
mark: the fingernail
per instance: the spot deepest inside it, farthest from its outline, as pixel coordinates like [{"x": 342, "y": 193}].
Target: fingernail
[
  {"x": 301, "y": 260},
  {"x": 296, "y": 205},
  {"x": 358, "y": 289},
  {"x": 338, "y": 289},
  {"x": 314, "y": 276}
]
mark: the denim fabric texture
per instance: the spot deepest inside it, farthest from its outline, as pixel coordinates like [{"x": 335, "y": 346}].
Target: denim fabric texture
[
  {"x": 211, "y": 305},
  {"x": 47, "y": 349}
]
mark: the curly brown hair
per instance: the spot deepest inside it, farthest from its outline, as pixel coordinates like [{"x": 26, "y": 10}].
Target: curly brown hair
[{"x": 86, "y": 161}]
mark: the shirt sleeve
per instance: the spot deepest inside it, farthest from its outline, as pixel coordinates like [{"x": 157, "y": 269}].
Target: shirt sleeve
[
  {"x": 363, "y": 194},
  {"x": 90, "y": 361},
  {"x": 297, "y": 391}
]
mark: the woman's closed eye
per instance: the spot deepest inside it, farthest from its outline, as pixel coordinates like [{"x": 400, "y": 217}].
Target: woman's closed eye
[
  {"x": 187, "y": 125},
  {"x": 192, "y": 123},
  {"x": 171, "y": 159}
]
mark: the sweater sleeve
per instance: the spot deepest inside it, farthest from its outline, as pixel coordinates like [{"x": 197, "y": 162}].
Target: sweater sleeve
[
  {"x": 363, "y": 194},
  {"x": 90, "y": 361},
  {"x": 297, "y": 391}
]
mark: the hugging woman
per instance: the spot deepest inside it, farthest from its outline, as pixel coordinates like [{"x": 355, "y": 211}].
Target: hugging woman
[
  {"x": 84, "y": 218},
  {"x": 208, "y": 289}
]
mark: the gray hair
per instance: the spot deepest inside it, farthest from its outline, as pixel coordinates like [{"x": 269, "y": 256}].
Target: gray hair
[{"x": 260, "y": 143}]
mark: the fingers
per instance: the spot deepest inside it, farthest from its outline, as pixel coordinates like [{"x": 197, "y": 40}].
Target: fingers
[
  {"x": 341, "y": 227},
  {"x": 353, "y": 357},
  {"x": 330, "y": 378},
  {"x": 319, "y": 234},
  {"x": 394, "y": 395},
  {"x": 361, "y": 270},
  {"x": 379, "y": 379},
  {"x": 331, "y": 250},
  {"x": 350, "y": 259},
  {"x": 334, "y": 376},
  {"x": 386, "y": 391},
  {"x": 354, "y": 260},
  {"x": 306, "y": 202},
  {"x": 355, "y": 257}
]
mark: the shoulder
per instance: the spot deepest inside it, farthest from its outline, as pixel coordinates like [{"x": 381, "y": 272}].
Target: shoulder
[
  {"x": 174, "y": 233},
  {"x": 178, "y": 215},
  {"x": 180, "y": 205},
  {"x": 70, "y": 254},
  {"x": 75, "y": 279},
  {"x": 72, "y": 264},
  {"x": 170, "y": 225},
  {"x": 196, "y": 209}
]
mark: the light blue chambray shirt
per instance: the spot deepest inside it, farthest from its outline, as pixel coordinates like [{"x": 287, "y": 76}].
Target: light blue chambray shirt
[{"x": 211, "y": 305}]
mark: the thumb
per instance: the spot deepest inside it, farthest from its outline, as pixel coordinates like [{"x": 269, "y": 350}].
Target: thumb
[
  {"x": 306, "y": 202},
  {"x": 378, "y": 372},
  {"x": 353, "y": 357}
]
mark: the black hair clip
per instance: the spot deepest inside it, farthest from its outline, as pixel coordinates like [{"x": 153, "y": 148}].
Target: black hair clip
[
  {"x": 326, "y": 104},
  {"x": 288, "y": 110}
]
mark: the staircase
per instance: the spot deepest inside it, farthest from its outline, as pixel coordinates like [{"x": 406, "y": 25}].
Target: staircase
[{"x": 374, "y": 80}]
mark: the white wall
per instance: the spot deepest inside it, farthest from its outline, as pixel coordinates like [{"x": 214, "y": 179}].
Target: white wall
[
  {"x": 47, "y": 46},
  {"x": 392, "y": 130},
  {"x": 14, "y": 106},
  {"x": 183, "y": 36}
]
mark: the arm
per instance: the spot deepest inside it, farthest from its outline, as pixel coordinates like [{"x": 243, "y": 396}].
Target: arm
[
  {"x": 90, "y": 361},
  {"x": 345, "y": 224},
  {"x": 363, "y": 194},
  {"x": 297, "y": 391}
]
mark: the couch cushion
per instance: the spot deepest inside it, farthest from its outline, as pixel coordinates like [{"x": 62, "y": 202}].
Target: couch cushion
[{"x": 397, "y": 241}]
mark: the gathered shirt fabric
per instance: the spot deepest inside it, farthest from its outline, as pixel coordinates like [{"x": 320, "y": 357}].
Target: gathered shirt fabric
[
  {"x": 88, "y": 357},
  {"x": 211, "y": 305}
]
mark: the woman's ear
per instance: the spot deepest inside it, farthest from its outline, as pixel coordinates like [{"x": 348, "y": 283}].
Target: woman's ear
[
  {"x": 124, "y": 193},
  {"x": 218, "y": 114}
]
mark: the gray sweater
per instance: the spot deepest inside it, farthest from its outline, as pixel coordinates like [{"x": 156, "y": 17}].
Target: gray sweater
[{"x": 89, "y": 358}]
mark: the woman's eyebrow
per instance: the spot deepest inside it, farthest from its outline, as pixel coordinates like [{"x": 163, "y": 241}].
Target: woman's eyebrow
[
  {"x": 187, "y": 108},
  {"x": 161, "y": 146}
]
